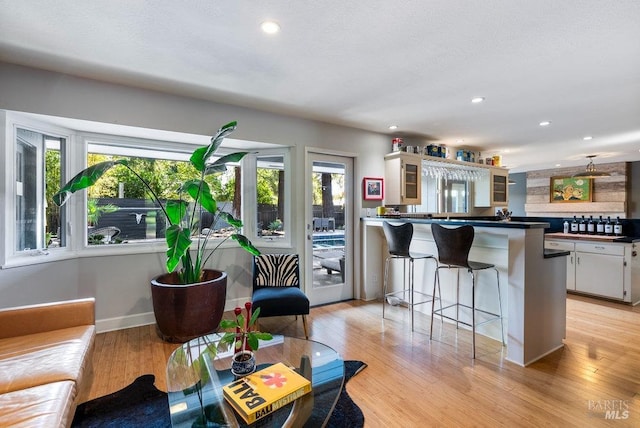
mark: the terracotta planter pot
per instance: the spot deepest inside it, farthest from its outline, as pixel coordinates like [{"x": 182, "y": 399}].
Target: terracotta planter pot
[{"x": 184, "y": 312}]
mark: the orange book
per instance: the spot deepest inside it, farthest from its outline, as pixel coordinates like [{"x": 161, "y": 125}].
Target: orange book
[{"x": 265, "y": 391}]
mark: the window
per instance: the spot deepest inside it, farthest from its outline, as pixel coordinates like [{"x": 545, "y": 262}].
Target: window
[
  {"x": 120, "y": 208},
  {"x": 39, "y": 160},
  {"x": 270, "y": 196}
]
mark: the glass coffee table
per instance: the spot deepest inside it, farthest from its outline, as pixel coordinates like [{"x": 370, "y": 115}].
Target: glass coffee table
[{"x": 194, "y": 376}]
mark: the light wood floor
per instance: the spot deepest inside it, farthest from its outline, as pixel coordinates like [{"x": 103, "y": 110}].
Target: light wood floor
[{"x": 411, "y": 382}]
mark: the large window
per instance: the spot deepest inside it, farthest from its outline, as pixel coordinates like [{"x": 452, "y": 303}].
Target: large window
[
  {"x": 117, "y": 215},
  {"x": 120, "y": 208},
  {"x": 39, "y": 160}
]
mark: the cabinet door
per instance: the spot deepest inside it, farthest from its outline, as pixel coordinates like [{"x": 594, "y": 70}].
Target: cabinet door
[
  {"x": 571, "y": 271},
  {"x": 499, "y": 188},
  {"x": 412, "y": 182},
  {"x": 600, "y": 274}
]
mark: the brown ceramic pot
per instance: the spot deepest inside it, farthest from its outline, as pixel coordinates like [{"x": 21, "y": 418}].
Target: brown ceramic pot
[{"x": 184, "y": 312}]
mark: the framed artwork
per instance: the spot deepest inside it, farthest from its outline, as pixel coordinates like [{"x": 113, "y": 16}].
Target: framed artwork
[
  {"x": 373, "y": 188},
  {"x": 571, "y": 189}
]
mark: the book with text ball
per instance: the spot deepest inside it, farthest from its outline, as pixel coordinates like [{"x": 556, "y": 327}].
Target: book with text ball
[{"x": 265, "y": 391}]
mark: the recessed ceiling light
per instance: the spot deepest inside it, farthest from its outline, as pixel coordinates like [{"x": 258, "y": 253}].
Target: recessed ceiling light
[
  {"x": 477, "y": 100},
  {"x": 545, "y": 123},
  {"x": 460, "y": 140},
  {"x": 270, "y": 27},
  {"x": 392, "y": 127},
  {"x": 587, "y": 138},
  {"x": 557, "y": 165}
]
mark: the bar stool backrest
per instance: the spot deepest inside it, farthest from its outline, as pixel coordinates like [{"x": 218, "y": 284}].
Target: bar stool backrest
[
  {"x": 398, "y": 238},
  {"x": 453, "y": 244}
]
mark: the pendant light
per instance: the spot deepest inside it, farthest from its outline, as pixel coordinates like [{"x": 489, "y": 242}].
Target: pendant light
[{"x": 590, "y": 171}]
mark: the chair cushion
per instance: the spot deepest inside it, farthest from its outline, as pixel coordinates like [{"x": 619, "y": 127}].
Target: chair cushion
[
  {"x": 40, "y": 406},
  {"x": 41, "y": 358},
  {"x": 278, "y": 301}
]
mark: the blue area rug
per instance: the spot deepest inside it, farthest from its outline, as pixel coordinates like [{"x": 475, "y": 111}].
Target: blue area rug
[{"x": 141, "y": 404}]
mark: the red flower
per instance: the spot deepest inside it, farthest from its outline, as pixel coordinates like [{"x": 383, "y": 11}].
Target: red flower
[{"x": 274, "y": 380}]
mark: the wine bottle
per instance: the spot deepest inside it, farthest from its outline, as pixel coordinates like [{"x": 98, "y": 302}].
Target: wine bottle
[
  {"x": 600, "y": 227},
  {"x": 582, "y": 226},
  {"x": 608, "y": 227},
  {"x": 617, "y": 227},
  {"x": 591, "y": 227},
  {"x": 574, "y": 225}
]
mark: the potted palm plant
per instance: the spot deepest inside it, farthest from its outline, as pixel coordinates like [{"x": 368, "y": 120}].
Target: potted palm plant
[{"x": 188, "y": 300}]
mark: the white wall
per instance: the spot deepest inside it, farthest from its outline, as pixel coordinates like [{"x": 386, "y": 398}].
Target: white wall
[{"x": 120, "y": 284}]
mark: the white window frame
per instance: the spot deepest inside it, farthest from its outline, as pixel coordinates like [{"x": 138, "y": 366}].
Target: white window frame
[
  {"x": 76, "y": 145},
  {"x": 9, "y": 256},
  {"x": 250, "y": 202}
]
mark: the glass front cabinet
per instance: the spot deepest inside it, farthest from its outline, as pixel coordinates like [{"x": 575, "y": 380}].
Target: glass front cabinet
[{"x": 403, "y": 179}]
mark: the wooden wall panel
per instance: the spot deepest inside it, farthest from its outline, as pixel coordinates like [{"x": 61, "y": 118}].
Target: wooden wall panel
[{"x": 610, "y": 194}]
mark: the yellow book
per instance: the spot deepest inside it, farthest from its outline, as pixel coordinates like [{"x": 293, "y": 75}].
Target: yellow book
[{"x": 263, "y": 392}]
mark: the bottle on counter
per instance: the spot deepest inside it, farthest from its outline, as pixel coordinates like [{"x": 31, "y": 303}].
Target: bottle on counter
[
  {"x": 574, "y": 225},
  {"x": 608, "y": 227},
  {"x": 582, "y": 226},
  {"x": 591, "y": 226},
  {"x": 565, "y": 226},
  {"x": 617, "y": 227},
  {"x": 600, "y": 227}
]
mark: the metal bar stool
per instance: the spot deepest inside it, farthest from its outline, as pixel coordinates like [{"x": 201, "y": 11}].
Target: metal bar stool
[
  {"x": 398, "y": 241},
  {"x": 453, "y": 253}
]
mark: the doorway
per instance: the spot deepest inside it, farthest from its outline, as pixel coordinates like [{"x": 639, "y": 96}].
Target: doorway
[{"x": 329, "y": 244}]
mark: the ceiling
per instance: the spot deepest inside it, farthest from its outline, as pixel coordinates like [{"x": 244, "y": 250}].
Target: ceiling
[{"x": 370, "y": 64}]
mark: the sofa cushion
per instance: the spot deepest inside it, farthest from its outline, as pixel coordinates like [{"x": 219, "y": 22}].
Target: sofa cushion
[
  {"x": 39, "y": 406},
  {"x": 37, "y": 359}
]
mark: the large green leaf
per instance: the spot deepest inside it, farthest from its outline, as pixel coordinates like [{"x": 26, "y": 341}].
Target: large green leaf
[
  {"x": 178, "y": 242},
  {"x": 220, "y": 165},
  {"x": 244, "y": 242},
  {"x": 85, "y": 178},
  {"x": 230, "y": 219},
  {"x": 200, "y": 156},
  {"x": 176, "y": 210},
  {"x": 201, "y": 192}
]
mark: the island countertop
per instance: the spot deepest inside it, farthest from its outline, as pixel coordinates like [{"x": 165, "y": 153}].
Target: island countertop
[
  {"x": 534, "y": 279},
  {"x": 421, "y": 219}
]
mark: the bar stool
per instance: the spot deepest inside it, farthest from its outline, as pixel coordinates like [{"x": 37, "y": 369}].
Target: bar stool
[
  {"x": 398, "y": 241},
  {"x": 453, "y": 253}
]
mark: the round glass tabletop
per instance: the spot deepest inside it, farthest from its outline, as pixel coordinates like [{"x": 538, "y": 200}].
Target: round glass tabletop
[{"x": 196, "y": 375}]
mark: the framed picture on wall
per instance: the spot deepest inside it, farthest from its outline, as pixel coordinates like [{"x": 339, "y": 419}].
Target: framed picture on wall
[
  {"x": 373, "y": 188},
  {"x": 571, "y": 189}
]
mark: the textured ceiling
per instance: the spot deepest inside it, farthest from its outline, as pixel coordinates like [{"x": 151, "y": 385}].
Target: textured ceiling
[{"x": 369, "y": 64}]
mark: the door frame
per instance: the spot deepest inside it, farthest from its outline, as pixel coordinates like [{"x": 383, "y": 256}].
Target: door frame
[{"x": 351, "y": 246}]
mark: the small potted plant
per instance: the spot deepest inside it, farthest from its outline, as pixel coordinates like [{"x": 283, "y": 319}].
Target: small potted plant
[{"x": 244, "y": 338}]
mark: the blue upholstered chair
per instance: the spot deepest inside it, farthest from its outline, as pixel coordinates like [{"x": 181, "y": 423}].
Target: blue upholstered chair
[{"x": 276, "y": 287}]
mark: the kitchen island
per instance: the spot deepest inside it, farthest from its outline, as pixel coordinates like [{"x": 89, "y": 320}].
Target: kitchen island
[{"x": 532, "y": 279}]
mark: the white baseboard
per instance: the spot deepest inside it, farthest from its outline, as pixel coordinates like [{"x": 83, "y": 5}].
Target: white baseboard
[{"x": 128, "y": 321}]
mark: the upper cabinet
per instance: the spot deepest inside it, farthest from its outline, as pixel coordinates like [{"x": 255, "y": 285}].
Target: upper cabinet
[
  {"x": 492, "y": 189},
  {"x": 403, "y": 179}
]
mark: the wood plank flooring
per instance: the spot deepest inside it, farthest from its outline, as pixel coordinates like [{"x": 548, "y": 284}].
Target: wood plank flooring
[{"x": 412, "y": 382}]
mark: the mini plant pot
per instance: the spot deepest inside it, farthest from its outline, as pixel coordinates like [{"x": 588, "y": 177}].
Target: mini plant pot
[{"x": 243, "y": 363}]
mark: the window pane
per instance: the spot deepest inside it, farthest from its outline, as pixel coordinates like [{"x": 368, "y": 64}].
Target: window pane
[
  {"x": 120, "y": 208},
  {"x": 270, "y": 196},
  {"x": 39, "y": 160}
]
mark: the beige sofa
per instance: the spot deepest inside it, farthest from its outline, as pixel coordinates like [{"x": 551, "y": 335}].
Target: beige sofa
[{"x": 46, "y": 352}]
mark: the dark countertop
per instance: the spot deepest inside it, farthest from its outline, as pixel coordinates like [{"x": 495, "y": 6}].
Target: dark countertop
[
  {"x": 460, "y": 221},
  {"x": 549, "y": 253}
]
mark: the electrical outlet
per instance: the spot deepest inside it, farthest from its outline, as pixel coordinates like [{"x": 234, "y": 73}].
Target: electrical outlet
[{"x": 374, "y": 278}]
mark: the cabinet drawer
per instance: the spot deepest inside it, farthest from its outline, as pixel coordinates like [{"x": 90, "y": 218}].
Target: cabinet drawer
[
  {"x": 559, "y": 245},
  {"x": 613, "y": 250}
]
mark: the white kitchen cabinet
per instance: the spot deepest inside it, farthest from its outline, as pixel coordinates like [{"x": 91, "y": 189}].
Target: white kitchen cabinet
[
  {"x": 492, "y": 189},
  {"x": 403, "y": 179},
  {"x": 571, "y": 260},
  {"x": 605, "y": 269}
]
